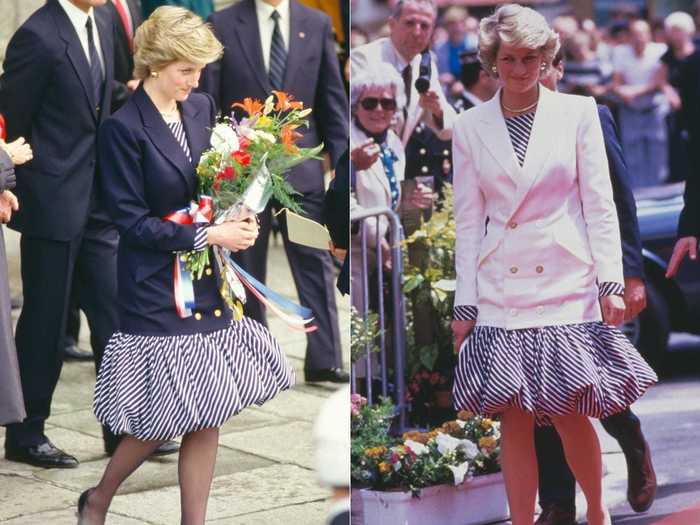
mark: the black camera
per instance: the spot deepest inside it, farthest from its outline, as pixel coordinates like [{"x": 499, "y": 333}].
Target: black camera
[{"x": 424, "y": 72}]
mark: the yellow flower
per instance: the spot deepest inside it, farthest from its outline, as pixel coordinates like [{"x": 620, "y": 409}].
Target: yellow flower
[
  {"x": 486, "y": 423},
  {"x": 464, "y": 415},
  {"x": 375, "y": 452},
  {"x": 384, "y": 467},
  {"x": 263, "y": 122},
  {"x": 488, "y": 443}
]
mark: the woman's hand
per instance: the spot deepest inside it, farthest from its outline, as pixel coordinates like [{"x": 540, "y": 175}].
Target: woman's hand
[
  {"x": 364, "y": 155},
  {"x": 8, "y": 204},
  {"x": 613, "y": 307},
  {"x": 460, "y": 331},
  {"x": 234, "y": 235},
  {"x": 422, "y": 197},
  {"x": 19, "y": 151},
  {"x": 684, "y": 245}
]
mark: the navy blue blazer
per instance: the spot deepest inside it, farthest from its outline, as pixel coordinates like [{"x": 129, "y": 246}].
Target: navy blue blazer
[
  {"x": 312, "y": 76},
  {"x": 632, "y": 260},
  {"x": 46, "y": 96},
  {"x": 145, "y": 177}
]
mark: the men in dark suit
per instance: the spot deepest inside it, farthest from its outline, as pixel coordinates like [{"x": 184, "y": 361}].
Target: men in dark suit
[
  {"x": 689, "y": 223},
  {"x": 282, "y": 45},
  {"x": 557, "y": 486},
  {"x": 56, "y": 90},
  {"x": 479, "y": 86},
  {"x": 127, "y": 14}
]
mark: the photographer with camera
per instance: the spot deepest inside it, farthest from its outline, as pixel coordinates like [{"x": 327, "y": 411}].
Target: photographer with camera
[{"x": 424, "y": 126}]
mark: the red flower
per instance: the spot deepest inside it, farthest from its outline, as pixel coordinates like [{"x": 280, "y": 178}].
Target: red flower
[
  {"x": 217, "y": 184},
  {"x": 228, "y": 173},
  {"x": 241, "y": 157},
  {"x": 243, "y": 143}
]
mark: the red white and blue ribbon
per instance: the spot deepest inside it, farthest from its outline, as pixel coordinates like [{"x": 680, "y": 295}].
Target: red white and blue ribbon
[
  {"x": 183, "y": 287},
  {"x": 294, "y": 315}
]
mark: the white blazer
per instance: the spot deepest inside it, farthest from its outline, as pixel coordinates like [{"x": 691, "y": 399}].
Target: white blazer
[
  {"x": 371, "y": 190},
  {"x": 552, "y": 231},
  {"x": 382, "y": 50}
]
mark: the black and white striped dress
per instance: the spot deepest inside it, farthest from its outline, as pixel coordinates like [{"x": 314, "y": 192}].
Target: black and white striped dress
[
  {"x": 158, "y": 387},
  {"x": 587, "y": 368}
]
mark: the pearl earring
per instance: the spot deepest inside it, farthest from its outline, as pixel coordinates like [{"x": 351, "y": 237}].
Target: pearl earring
[
  {"x": 494, "y": 70},
  {"x": 543, "y": 67},
  {"x": 154, "y": 74}
]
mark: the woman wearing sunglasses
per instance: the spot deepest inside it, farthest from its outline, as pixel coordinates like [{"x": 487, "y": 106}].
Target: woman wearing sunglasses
[{"x": 377, "y": 157}]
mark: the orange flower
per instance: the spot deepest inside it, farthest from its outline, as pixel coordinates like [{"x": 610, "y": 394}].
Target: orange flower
[
  {"x": 249, "y": 105},
  {"x": 288, "y": 137},
  {"x": 285, "y": 101}
]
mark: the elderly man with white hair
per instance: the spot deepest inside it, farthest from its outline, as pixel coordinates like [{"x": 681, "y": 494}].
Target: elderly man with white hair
[{"x": 679, "y": 28}]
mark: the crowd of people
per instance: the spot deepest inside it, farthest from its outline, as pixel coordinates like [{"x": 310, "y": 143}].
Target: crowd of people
[
  {"x": 536, "y": 125},
  {"x": 108, "y": 106},
  {"x": 631, "y": 64}
]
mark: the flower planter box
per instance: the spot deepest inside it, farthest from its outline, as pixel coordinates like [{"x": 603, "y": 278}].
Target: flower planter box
[{"x": 479, "y": 501}]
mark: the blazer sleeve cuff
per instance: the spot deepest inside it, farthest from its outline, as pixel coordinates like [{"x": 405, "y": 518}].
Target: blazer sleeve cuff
[
  {"x": 200, "y": 238},
  {"x": 610, "y": 288},
  {"x": 465, "y": 312}
]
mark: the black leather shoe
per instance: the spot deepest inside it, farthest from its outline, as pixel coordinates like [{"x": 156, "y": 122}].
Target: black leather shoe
[
  {"x": 169, "y": 447},
  {"x": 45, "y": 455},
  {"x": 71, "y": 352},
  {"x": 557, "y": 514},
  {"x": 334, "y": 375}
]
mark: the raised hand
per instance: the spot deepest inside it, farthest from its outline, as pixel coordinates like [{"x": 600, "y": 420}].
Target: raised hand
[{"x": 684, "y": 245}]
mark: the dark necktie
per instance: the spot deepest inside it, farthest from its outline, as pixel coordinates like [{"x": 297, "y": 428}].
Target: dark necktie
[
  {"x": 407, "y": 75},
  {"x": 278, "y": 55},
  {"x": 95, "y": 68}
]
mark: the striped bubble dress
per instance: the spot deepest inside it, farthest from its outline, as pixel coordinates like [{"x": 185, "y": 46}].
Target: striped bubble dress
[
  {"x": 589, "y": 368},
  {"x": 158, "y": 387}
]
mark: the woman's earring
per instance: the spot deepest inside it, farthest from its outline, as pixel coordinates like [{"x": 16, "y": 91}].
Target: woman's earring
[
  {"x": 154, "y": 74},
  {"x": 494, "y": 71},
  {"x": 543, "y": 67}
]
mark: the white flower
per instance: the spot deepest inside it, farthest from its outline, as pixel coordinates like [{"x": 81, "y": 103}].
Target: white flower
[
  {"x": 459, "y": 472},
  {"x": 397, "y": 466},
  {"x": 304, "y": 112},
  {"x": 224, "y": 139},
  {"x": 470, "y": 448},
  {"x": 254, "y": 135},
  {"x": 269, "y": 105},
  {"x": 447, "y": 444},
  {"x": 417, "y": 448},
  {"x": 461, "y": 423}
]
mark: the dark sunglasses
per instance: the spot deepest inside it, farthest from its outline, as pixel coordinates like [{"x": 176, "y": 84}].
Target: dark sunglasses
[{"x": 371, "y": 103}]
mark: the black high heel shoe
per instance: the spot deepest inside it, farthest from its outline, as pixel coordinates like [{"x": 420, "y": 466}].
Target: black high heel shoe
[{"x": 82, "y": 501}]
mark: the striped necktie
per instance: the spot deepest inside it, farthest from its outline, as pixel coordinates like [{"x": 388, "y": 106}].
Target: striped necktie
[
  {"x": 95, "y": 67},
  {"x": 278, "y": 55}
]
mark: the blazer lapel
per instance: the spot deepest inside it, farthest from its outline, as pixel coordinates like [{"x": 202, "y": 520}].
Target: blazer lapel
[
  {"x": 494, "y": 135},
  {"x": 296, "y": 54},
  {"x": 75, "y": 53},
  {"x": 163, "y": 139},
  {"x": 197, "y": 130},
  {"x": 540, "y": 145},
  {"x": 249, "y": 39}
]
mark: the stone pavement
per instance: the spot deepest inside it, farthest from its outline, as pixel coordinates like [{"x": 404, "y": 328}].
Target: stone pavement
[{"x": 264, "y": 466}]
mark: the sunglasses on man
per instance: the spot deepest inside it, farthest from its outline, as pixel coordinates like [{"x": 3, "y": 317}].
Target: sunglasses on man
[{"x": 371, "y": 103}]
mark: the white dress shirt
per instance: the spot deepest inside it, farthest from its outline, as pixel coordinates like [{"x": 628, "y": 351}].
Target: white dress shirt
[
  {"x": 79, "y": 18},
  {"x": 266, "y": 25}
]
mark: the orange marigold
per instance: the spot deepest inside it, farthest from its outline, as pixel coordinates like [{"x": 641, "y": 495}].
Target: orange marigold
[{"x": 464, "y": 415}]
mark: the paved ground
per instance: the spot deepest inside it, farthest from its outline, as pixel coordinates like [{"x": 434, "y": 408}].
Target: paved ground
[{"x": 264, "y": 468}]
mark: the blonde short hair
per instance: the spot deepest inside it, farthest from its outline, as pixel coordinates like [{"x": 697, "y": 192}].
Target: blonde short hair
[
  {"x": 171, "y": 34},
  {"x": 517, "y": 26}
]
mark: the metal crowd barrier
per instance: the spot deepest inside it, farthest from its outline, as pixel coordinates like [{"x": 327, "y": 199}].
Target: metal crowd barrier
[{"x": 397, "y": 324}]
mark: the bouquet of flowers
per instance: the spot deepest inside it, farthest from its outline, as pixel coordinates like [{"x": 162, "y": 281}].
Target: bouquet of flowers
[
  {"x": 237, "y": 176},
  {"x": 450, "y": 453}
]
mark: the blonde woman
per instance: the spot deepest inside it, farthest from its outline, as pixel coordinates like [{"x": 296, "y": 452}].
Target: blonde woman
[
  {"x": 162, "y": 375},
  {"x": 539, "y": 288}
]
